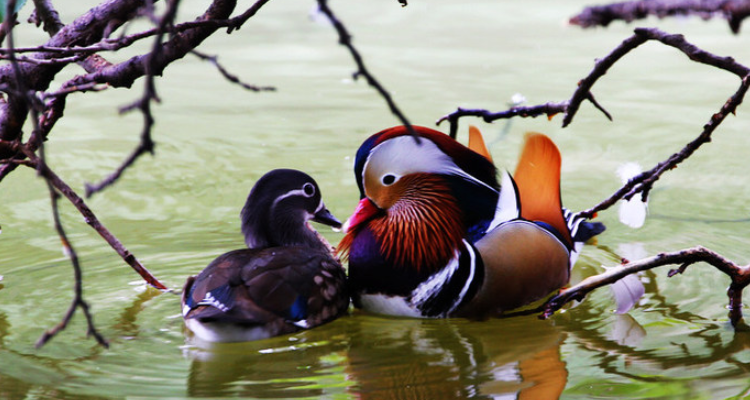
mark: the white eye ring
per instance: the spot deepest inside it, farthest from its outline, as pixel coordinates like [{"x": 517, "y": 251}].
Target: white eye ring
[
  {"x": 308, "y": 190},
  {"x": 388, "y": 179}
]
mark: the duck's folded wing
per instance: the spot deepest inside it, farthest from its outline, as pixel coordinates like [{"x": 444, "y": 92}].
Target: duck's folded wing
[
  {"x": 297, "y": 284},
  {"x": 258, "y": 286}
]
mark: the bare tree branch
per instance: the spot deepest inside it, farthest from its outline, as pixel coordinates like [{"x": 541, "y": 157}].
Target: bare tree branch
[
  {"x": 21, "y": 92},
  {"x": 146, "y": 143},
  {"x": 51, "y": 61},
  {"x": 78, "y": 300},
  {"x": 26, "y": 78},
  {"x": 91, "y": 219},
  {"x": 228, "y": 75},
  {"x": 345, "y": 39},
  {"x": 85, "y": 30},
  {"x": 739, "y": 276},
  {"x": 66, "y": 42},
  {"x": 734, "y": 11},
  {"x": 162, "y": 54},
  {"x": 583, "y": 91},
  {"x": 114, "y": 44},
  {"x": 644, "y": 181},
  {"x": 549, "y": 109},
  {"x": 46, "y": 14}
]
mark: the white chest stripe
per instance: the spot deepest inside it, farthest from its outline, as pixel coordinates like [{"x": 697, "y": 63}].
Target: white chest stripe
[
  {"x": 470, "y": 279},
  {"x": 507, "y": 203},
  {"x": 440, "y": 280},
  {"x": 432, "y": 286}
]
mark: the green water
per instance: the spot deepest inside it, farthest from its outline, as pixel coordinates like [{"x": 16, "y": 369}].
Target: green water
[{"x": 178, "y": 210}]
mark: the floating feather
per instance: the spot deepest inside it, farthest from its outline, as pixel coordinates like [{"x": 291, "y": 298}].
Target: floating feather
[{"x": 632, "y": 212}]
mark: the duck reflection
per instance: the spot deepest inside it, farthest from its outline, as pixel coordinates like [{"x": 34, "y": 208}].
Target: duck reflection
[
  {"x": 291, "y": 366},
  {"x": 429, "y": 359},
  {"x": 389, "y": 358},
  {"x": 364, "y": 356}
]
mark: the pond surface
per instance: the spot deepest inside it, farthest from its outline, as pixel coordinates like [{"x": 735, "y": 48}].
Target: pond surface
[{"x": 178, "y": 210}]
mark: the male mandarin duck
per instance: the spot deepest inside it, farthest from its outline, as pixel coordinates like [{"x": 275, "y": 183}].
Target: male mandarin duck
[
  {"x": 436, "y": 235},
  {"x": 285, "y": 281}
]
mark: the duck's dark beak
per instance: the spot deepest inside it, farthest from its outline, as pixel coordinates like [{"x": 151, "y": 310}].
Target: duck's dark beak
[{"x": 326, "y": 218}]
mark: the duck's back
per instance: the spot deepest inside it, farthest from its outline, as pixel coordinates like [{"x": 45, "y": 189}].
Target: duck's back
[{"x": 277, "y": 290}]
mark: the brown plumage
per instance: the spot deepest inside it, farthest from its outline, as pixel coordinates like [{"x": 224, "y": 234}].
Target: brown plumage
[
  {"x": 523, "y": 263},
  {"x": 286, "y": 281},
  {"x": 265, "y": 284}
]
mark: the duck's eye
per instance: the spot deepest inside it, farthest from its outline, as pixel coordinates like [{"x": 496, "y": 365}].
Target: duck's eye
[
  {"x": 308, "y": 189},
  {"x": 388, "y": 179}
]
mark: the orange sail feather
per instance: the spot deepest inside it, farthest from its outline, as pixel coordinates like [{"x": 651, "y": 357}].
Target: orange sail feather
[
  {"x": 538, "y": 178},
  {"x": 476, "y": 143}
]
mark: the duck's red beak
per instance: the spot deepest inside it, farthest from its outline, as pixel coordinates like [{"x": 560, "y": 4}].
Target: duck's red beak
[{"x": 364, "y": 212}]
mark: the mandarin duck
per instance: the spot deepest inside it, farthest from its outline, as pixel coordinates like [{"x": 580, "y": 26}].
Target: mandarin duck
[
  {"x": 285, "y": 281},
  {"x": 436, "y": 235}
]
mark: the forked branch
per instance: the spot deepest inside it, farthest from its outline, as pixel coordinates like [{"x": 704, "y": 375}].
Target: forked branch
[
  {"x": 583, "y": 91},
  {"x": 643, "y": 182},
  {"x": 738, "y": 275},
  {"x": 78, "y": 301}
]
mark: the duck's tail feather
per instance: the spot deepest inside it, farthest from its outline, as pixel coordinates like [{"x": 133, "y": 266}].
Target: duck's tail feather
[{"x": 538, "y": 179}]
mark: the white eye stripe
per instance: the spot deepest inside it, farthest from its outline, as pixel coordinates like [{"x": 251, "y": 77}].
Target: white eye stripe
[
  {"x": 295, "y": 192},
  {"x": 402, "y": 156}
]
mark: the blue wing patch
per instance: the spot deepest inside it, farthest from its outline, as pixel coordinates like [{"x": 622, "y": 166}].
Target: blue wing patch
[{"x": 298, "y": 310}]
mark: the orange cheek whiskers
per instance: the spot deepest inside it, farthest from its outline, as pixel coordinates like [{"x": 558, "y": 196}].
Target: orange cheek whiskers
[
  {"x": 421, "y": 231},
  {"x": 342, "y": 249}
]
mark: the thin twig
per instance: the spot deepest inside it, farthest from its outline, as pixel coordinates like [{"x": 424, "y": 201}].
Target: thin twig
[
  {"x": 643, "y": 182},
  {"x": 114, "y": 44},
  {"x": 33, "y": 104},
  {"x": 46, "y": 61},
  {"x": 238, "y": 21},
  {"x": 66, "y": 90},
  {"x": 78, "y": 300},
  {"x": 229, "y": 76},
  {"x": 65, "y": 51},
  {"x": 549, "y": 109},
  {"x": 161, "y": 55},
  {"x": 345, "y": 40},
  {"x": 84, "y": 30},
  {"x": 146, "y": 144},
  {"x": 739, "y": 275}
]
